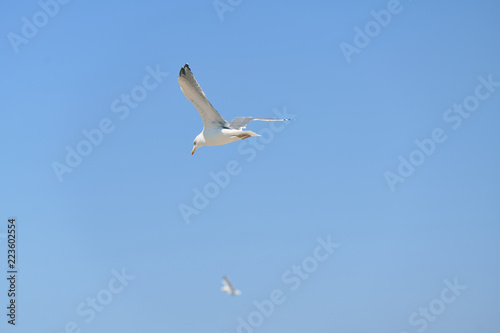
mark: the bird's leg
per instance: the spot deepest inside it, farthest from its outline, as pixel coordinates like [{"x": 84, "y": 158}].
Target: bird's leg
[{"x": 244, "y": 136}]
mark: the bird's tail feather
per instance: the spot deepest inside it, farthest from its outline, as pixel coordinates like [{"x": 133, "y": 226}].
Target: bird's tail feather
[{"x": 251, "y": 133}]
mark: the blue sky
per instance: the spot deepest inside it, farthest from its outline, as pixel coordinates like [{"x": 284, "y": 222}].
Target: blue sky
[{"x": 392, "y": 162}]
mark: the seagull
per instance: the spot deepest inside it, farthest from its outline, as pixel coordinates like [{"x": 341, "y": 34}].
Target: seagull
[
  {"x": 228, "y": 287},
  {"x": 216, "y": 130}
]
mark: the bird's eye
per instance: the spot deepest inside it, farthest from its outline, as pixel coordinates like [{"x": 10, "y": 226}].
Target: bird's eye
[{"x": 194, "y": 143}]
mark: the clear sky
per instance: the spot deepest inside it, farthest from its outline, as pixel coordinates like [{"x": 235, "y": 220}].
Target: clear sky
[{"x": 376, "y": 209}]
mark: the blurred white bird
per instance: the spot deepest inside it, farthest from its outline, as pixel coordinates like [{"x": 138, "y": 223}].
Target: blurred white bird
[
  {"x": 216, "y": 131},
  {"x": 228, "y": 287}
]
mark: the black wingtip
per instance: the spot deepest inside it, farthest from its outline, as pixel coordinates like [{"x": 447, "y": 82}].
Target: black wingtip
[{"x": 183, "y": 70}]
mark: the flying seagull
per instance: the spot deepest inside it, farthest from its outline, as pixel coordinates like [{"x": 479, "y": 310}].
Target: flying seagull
[
  {"x": 228, "y": 287},
  {"x": 216, "y": 130}
]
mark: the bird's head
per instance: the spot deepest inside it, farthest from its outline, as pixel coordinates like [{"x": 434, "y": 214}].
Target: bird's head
[{"x": 198, "y": 142}]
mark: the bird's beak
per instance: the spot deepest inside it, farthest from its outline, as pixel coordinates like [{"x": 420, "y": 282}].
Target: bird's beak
[{"x": 192, "y": 151}]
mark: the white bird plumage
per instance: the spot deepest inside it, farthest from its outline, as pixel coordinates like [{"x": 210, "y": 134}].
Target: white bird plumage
[
  {"x": 216, "y": 130},
  {"x": 227, "y": 287}
]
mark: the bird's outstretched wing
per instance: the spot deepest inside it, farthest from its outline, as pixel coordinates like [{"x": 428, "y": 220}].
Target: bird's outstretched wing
[
  {"x": 192, "y": 90},
  {"x": 226, "y": 282},
  {"x": 241, "y": 122}
]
